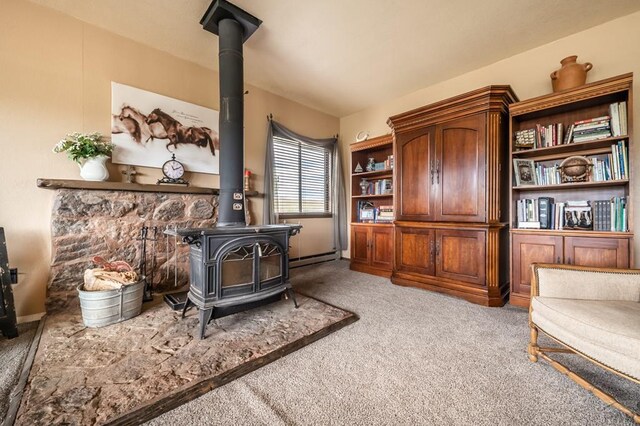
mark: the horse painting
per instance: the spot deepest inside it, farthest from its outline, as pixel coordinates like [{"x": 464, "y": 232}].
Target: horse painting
[
  {"x": 179, "y": 134},
  {"x": 148, "y": 132},
  {"x": 120, "y": 124}
]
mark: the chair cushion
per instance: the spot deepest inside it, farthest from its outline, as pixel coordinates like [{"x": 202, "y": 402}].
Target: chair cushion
[{"x": 607, "y": 331}]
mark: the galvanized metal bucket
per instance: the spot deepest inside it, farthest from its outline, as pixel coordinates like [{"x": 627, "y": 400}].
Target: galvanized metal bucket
[{"x": 100, "y": 308}]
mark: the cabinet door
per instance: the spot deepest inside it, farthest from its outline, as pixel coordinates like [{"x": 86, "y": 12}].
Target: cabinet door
[
  {"x": 461, "y": 255},
  {"x": 415, "y": 161},
  {"x": 360, "y": 244},
  {"x": 460, "y": 170},
  {"x": 415, "y": 250},
  {"x": 597, "y": 252},
  {"x": 527, "y": 249},
  {"x": 382, "y": 247}
]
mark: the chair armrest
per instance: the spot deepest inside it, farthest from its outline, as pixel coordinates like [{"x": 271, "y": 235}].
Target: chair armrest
[{"x": 585, "y": 283}]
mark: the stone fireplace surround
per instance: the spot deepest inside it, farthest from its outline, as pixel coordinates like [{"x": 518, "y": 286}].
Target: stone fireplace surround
[{"x": 106, "y": 222}]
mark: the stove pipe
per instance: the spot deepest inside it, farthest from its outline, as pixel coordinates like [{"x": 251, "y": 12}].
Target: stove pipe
[{"x": 233, "y": 27}]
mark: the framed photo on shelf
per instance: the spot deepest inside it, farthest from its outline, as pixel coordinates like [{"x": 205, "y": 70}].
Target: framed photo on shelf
[{"x": 524, "y": 171}]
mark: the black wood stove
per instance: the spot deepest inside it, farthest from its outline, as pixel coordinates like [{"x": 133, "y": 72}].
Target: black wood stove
[{"x": 234, "y": 265}]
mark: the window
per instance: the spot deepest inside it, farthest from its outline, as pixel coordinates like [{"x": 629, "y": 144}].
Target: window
[{"x": 302, "y": 179}]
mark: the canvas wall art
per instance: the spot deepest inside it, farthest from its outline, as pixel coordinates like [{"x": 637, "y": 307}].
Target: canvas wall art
[{"x": 147, "y": 128}]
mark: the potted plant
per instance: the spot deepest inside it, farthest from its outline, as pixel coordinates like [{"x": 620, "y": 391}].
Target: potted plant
[{"x": 90, "y": 151}]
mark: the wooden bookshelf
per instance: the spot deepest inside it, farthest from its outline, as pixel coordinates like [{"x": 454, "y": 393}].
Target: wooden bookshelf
[
  {"x": 371, "y": 242},
  {"x": 569, "y": 246}
]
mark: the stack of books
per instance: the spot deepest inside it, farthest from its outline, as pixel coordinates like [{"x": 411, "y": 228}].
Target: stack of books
[
  {"x": 591, "y": 129},
  {"x": 611, "y": 215},
  {"x": 385, "y": 214},
  {"x": 618, "y": 112}
]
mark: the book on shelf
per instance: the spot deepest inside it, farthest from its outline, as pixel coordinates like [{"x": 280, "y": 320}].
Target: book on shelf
[
  {"x": 529, "y": 225},
  {"x": 614, "y": 166},
  {"x": 592, "y": 120},
  {"x": 604, "y": 167},
  {"x": 618, "y": 112},
  {"x": 549, "y": 135},
  {"x": 590, "y": 129},
  {"x": 380, "y": 187},
  {"x": 599, "y": 215},
  {"x": 385, "y": 214},
  {"x": 540, "y": 213},
  {"x": 611, "y": 215},
  {"x": 544, "y": 212}
]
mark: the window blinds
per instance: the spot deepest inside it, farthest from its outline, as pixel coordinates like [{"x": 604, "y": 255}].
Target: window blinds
[{"x": 302, "y": 178}]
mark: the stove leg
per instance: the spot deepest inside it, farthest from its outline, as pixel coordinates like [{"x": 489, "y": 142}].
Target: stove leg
[
  {"x": 205, "y": 317},
  {"x": 292, "y": 295}
]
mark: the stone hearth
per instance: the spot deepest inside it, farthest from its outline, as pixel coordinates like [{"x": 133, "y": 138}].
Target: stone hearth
[
  {"x": 87, "y": 223},
  {"x": 132, "y": 371}
]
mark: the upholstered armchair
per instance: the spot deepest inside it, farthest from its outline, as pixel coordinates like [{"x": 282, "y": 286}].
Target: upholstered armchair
[{"x": 591, "y": 312}]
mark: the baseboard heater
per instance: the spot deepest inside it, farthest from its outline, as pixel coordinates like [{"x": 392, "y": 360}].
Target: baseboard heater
[{"x": 316, "y": 258}]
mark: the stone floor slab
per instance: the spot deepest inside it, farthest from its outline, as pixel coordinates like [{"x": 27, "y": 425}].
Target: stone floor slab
[{"x": 135, "y": 370}]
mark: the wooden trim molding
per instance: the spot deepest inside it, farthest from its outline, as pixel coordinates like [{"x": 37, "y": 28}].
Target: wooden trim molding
[
  {"x": 603, "y": 87},
  {"x": 495, "y": 98},
  {"x": 371, "y": 143}
]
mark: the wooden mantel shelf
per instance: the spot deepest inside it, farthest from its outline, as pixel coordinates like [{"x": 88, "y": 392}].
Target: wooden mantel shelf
[{"x": 123, "y": 186}]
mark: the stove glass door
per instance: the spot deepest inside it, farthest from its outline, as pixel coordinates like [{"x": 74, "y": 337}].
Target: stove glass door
[{"x": 237, "y": 267}]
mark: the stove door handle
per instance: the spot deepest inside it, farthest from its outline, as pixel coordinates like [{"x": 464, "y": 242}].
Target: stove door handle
[{"x": 259, "y": 249}]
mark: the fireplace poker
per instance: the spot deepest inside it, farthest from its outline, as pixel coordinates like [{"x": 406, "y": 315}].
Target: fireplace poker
[
  {"x": 153, "y": 259},
  {"x": 143, "y": 263},
  {"x": 175, "y": 260}
]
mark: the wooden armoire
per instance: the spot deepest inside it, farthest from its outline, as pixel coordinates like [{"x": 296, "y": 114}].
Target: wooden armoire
[{"x": 451, "y": 228}]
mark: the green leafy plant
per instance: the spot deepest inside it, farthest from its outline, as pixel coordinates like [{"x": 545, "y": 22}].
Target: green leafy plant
[{"x": 82, "y": 146}]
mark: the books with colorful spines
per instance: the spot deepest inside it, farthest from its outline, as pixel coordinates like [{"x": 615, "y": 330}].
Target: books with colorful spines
[
  {"x": 604, "y": 124},
  {"x": 591, "y": 120}
]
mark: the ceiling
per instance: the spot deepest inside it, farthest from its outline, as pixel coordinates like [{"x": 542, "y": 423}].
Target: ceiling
[{"x": 341, "y": 56}]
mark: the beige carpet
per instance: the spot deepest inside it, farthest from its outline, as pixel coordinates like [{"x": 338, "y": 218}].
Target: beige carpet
[
  {"x": 13, "y": 353},
  {"x": 414, "y": 357}
]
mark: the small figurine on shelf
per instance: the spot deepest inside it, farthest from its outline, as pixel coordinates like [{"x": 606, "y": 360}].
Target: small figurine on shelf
[
  {"x": 247, "y": 180},
  {"x": 364, "y": 185},
  {"x": 371, "y": 164},
  {"x": 358, "y": 168}
]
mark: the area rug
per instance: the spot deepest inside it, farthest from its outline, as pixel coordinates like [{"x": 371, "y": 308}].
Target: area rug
[{"x": 133, "y": 371}]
